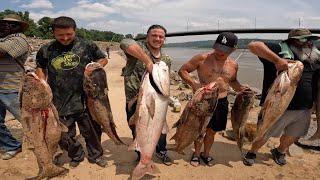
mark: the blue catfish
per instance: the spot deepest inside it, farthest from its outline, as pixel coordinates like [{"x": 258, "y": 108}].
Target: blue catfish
[
  {"x": 96, "y": 89},
  {"x": 150, "y": 117}
]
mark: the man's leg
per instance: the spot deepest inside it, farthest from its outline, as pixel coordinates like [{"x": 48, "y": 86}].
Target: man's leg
[
  {"x": 91, "y": 131},
  {"x": 69, "y": 142},
  {"x": 8, "y": 143},
  {"x": 208, "y": 141},
  {"x": 278, "y": 154},
  {"x": 130, "y": 112},
  {"x": 161, "y": 150},
  {"x": 298, "y": 125},
  {"x": 274, "y": 131}
]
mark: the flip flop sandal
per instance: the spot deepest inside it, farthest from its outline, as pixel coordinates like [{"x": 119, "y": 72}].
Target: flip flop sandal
[
  {"x": 207, "y": 160},
  {"x": 195, "y": 161}
]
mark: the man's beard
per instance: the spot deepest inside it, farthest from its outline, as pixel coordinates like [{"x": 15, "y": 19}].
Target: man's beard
[{"x": 305, "y": 53}]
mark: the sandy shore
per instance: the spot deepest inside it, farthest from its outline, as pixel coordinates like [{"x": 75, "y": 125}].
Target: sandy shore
[{"x": 121, "y": 161}]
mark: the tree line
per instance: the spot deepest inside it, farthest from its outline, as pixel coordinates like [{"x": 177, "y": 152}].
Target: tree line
[{"x": 42, "y": 29}]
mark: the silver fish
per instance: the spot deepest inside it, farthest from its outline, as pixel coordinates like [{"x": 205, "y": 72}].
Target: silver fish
[
  {"x": 150, "y": 117},
  {"x": 279, "y": 96}
]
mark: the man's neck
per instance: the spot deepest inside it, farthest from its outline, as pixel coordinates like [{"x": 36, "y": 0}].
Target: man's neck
[{"x": 156, "y": 53}]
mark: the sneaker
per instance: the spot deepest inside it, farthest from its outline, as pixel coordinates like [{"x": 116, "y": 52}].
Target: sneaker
[
  {"x": 57, "y": 160},
  {"x": 249, "y": 159},
  {"x": 101, "y": 161},
  {"x": 278, "y": 157},
  {"x": 10, "y": 154},
  {"x": 162, "y": 155},
  {"x": 74, "y": 164}
]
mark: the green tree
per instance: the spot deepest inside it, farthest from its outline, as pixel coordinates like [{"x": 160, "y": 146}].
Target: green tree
[
  {"x": 129, "y": 36},
  {"x": 45, "y": 28}
]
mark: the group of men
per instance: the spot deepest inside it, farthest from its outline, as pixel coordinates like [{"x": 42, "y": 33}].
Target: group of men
[{"x": 65, "y": 80}]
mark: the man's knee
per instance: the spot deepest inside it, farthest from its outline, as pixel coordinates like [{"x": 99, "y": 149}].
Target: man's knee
[{"x": 211, "y": 132}]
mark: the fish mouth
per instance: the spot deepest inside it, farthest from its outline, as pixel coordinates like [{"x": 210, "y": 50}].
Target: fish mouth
[{"x": 159, "y": 79}]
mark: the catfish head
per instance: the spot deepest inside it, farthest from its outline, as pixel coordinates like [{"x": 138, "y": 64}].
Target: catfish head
[
  {"x": 205, "y": 98},
  {"x": 159, "y": 78},
  {"x": 36, "y": 93},
  {"x": 95, "y": 81}
]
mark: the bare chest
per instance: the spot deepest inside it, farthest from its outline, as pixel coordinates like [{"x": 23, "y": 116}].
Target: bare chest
[{"x": 209, "y": 72}]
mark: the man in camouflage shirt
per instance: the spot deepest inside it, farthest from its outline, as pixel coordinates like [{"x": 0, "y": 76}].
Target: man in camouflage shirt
[
  {"x": 140, "y": 57},
  {"x": 14, "y": 50},
  {"x": 62, "y": 62}
]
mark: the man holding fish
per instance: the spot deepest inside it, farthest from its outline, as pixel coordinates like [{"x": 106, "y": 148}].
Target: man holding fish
[
  {"x": 141, "y": 57},
  {"x": 295, "y": 117},
  {"x": 62, "y": 63},
  {"x": 213, "y": 66}
]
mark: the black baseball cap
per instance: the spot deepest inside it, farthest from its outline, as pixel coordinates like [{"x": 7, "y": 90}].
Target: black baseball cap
[{"x": 226, "y": 42}]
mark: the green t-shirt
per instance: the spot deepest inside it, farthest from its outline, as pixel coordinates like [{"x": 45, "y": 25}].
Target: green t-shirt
[
  {"x": 134, "y": 69},
  {"x": 65, "y": 66}
]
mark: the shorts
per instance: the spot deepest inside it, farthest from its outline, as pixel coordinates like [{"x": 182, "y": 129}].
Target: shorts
[
  {"x": 218, "y": 121},
  {"x": 293, "y": 123}
]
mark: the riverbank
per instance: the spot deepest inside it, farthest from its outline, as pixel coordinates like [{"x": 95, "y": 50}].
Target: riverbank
[{"x": 227, "y": 158}]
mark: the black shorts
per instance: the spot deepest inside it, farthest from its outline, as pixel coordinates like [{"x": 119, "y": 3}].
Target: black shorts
[{"x": 219, "y": 118}]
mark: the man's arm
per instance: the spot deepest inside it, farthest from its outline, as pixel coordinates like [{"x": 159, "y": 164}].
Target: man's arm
[
  {"x": 103, "y": 61},
  {"x": 260, "y": 49},
  {"x": 189, "y": 67},
  {"x": 41, "y": 73},
  {"x": 41, "y": 63},
  {"x": 15, "y": 46},
  {"x": 132, "y": 48}
]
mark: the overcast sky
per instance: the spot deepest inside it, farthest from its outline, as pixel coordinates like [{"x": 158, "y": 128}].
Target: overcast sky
[{"x": 135, "y": 16}]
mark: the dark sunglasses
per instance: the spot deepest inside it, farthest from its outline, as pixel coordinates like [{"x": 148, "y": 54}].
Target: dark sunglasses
[{"x": 8, "y": 25}]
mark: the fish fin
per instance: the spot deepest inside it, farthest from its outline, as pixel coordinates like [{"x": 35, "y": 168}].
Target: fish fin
[
  {"x": 316, "y": 135},
  {"x": 182, "y": 118},
  {"x": 133, "y": 146},
  {"x": 151, "y": 106},
  {"x": 141, "y": 169},
  {"x": 174, "y": 137},
  {"x": 133, "y": 119}
]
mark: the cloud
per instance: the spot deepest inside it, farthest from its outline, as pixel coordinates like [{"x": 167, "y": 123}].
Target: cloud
[
  {"x": 83, "y": 10},
  {"x": 35, "y": 4},
  {"x": 115, "y": 26}
]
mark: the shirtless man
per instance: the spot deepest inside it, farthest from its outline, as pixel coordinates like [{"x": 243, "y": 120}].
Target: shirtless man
[{"x": 214, "y": 66}]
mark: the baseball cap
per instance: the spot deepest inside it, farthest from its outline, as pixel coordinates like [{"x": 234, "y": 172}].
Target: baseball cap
[{"x": 226, "y": 42}]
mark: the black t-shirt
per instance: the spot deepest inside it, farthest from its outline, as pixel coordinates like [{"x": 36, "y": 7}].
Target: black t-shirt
[
  {"x": 65, "y": 66},
  {"x": 303, "y": 97}
]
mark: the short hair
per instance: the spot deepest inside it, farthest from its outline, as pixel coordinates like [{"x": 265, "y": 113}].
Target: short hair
[
  {"x": 157, "y": 26},
  {"x": 63, "y": 22}
]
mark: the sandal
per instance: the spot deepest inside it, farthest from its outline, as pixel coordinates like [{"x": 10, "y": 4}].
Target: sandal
[
  {"x": 207, "y": 160},
  {"x": 195, "y": 161}
]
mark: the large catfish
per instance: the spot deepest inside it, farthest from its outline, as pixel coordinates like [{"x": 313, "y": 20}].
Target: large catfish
[
  {"x": 96, "y": 89},
  {"x": 279, "y": 97},
  {"x": 195, "y": 117},
  {"x": 239, "y": 114},
  {"x": 316, "y": 135},
  {"x": 150, "y": 116},
  {"x": 41, "y": 124}
]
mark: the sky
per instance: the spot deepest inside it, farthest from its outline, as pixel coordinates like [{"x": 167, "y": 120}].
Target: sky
[{"x": 135, "y": 16}]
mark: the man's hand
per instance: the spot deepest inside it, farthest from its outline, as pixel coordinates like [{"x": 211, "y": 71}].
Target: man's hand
[
  {"x": 149, "y": 67},
  {"x": 281, "y": 65},
  {"x": 195, "y": 86}
]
